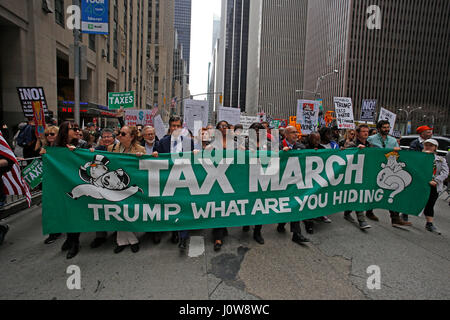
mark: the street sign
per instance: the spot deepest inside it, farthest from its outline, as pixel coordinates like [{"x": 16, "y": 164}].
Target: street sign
[
  {"x": 120, "y": 99},
  {"x": 95, "y": 16}
]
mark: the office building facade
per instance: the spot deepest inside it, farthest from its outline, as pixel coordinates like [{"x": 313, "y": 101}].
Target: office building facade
[
  {"x": 276, "y": 56},
  {"x": 38, "y": 42},
  {"x": 403, "y": 64},
  {"x": 182, "y": 23}
]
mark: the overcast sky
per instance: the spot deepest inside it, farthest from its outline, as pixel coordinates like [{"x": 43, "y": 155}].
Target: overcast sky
[{"x": 201, "y": 43}]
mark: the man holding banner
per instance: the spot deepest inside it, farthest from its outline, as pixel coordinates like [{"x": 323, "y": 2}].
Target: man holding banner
[
  {"x": 176, "y": 143},
  {"x": 291, "y": 143},
  {"x": 385, "y": 141}
]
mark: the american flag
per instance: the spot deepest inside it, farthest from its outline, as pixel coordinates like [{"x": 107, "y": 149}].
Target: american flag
[
  {"x": 154, "y": 111},
  {"x": 13, "y": 183}
]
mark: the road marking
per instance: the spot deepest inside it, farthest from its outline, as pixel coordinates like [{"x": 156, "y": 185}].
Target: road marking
[{"x": 196, "y": 247}]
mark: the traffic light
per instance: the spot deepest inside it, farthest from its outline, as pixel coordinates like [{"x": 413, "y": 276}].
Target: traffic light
[{"x": 220, "y": 99}]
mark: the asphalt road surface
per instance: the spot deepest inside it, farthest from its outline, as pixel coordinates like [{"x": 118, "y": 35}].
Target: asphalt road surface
[{"x": 413, "y": 264}]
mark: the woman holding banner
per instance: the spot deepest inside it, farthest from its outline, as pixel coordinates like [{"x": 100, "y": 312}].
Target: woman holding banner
[
  {"x": 220, "y": 143},
  {"x": 129, "y": 143},
  {"x": 255, "y": 145},
  {"x": 68, "y": 137}
]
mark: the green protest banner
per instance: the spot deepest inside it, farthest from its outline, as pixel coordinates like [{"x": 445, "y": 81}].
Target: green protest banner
[
  {"x": 33, "y": 173},
  {"x": 86, "y": 192},
  {"x": 116, "y": 100}
]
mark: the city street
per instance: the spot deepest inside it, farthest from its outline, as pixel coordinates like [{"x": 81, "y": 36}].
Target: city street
[{"x": 414, "y": 264}]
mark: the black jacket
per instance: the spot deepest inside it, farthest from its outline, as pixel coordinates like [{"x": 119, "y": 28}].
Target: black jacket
[
  {"x": 416, "y": 146},
  {"x": 296, "y": 146}
]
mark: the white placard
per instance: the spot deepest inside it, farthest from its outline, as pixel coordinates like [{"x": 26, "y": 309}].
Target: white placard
[
  {"x": 308, "y": 115},
  {"x": 160, "y": 129},
  {"x": 195, "y": 110},
  {"x": 247, "y": 121},
  {"x": 344, "y": 113},
  {"x": 230, "y": 115},
  {"x": 389, "y": 116}
]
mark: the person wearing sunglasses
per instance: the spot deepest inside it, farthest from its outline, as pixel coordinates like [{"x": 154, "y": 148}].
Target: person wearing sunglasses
[
  {"x": 68, "y": 137},
  {"x": 128, "y": 137},
  {"x": 47, "y": 139}
]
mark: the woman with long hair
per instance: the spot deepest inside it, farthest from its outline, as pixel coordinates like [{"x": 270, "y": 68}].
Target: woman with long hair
[
  {"x": 349, "y": 138},
  {"x": 129, "y": 143},
  {"x": 68, "y": 137}
]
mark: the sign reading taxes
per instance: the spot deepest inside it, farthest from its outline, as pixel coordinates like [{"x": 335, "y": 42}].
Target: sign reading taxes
[{"x": 116, "y": 100}]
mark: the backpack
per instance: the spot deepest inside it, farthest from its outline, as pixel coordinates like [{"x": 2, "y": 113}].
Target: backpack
[{"x": 25, "y": 136}]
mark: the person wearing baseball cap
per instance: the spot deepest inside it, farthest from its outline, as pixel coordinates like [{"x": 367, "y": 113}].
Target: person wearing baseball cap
[
  {"x": 425, "y": 133},
  {"x": 440, "y": 173}
]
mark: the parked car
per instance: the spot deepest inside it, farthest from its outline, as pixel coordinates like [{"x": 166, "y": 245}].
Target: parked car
[{"x": 444, "y": 143}]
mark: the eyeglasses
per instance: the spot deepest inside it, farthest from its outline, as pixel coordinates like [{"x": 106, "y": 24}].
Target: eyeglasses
[
  {"x": 123, "y": 134},
  {"x": 223, "y": 127},
  {"x": 107, "y": 137},
  {"x": 52, "y": 134}
]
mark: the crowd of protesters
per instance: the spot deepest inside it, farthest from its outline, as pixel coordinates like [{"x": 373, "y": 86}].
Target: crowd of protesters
[{"x": 143, "y": 141}]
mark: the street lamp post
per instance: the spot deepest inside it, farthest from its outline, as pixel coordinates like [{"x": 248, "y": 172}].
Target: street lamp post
[
  {"x": 408, "y": 112},
  {"x": 432, "y": 119},
  {"x": 319, "y": 81}
]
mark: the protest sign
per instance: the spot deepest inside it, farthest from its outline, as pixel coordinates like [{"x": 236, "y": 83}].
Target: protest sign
[
  {"x": 39, "y": 118},
  {"x": 160, "y": 128},
  {"x": 116, "y": 100},
  {"x": 207, "y": 190},
  {"x": 247, "y": 121},
  {"x": 344, "y": 113},
  {"x": 33, "y": 173},
  {"x": 308, "y": 115},
  {"x": 230, "y": 115},
  {"x": 94, "y": 16},
  {"x": 368, "y": 110},
  {"x": 389, "y": 116},
  {"x": 196, "y": 115},
  {"x": 28, "y": 95},
  {"x": 138, "y": 117}
]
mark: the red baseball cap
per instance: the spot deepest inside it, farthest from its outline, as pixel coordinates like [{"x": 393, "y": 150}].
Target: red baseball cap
[{"x": 422, "y": 129}]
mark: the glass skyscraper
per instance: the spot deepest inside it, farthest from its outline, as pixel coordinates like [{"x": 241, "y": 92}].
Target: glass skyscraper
[{"x": 183, "y": 9}]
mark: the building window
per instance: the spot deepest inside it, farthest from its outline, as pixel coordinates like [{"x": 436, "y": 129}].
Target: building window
[
  {"x": 59, "y": 12},
  {"x": 92, "y": 42}
]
